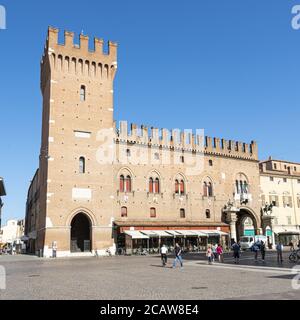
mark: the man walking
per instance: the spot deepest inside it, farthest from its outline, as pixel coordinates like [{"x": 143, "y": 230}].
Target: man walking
[
  {"x": 279, "y": 249},
  {"x": 236, "y": 252},
  {"x": 178, "y": 257},
  {"x": 263, "y": 250},
  {"x": 255, "y": 248},
  {"x": 164, "y": 251}
]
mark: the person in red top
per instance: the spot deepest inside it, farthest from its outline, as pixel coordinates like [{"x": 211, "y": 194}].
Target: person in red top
[{"x": 220, "y": 253}]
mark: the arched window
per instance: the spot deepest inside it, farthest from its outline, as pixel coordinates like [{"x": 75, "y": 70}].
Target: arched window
[
  {"x": 205, "y": 190},
  {"x": 176, "y": 186},
  {"x": 150, "y": 185},
  {"x": 124, "y": 212},
  {"x": 207, "y": 213},
  {"x": 81, "y": 165},
  {"x": 156, "y": 185},
  {"x": 182, "y": 188},
  {"x": 210, "y": 189},
  {"x": 182, "y": 213},
  {"x": 122, "y": 183},
  {"x": 237, "y": 186},
  {"x": 245, "y": 187},
  {"x": 128, "y": 184},
  {"x": 152, "y": 213},
  {"x": 241, "y": 184},
  {"x": 82, "y": 93}
]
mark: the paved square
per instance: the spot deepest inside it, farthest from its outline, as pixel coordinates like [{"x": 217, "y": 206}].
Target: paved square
[{"x": 143, "y": 277}]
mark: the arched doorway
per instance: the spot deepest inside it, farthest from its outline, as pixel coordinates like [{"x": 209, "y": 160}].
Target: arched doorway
[
  {"x": 246, "y": 224},
  {"x": 81, "y": 233}
]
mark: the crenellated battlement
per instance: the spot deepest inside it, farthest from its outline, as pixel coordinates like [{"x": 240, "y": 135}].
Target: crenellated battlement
[
  {"x": 83, "y": 46},
  {"x": 185, "y": 141},
  {"x": 78, "y": 59}
]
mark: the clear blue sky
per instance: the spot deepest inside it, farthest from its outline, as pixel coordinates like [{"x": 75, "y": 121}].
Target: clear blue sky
[{"x": 231, "y": 67}]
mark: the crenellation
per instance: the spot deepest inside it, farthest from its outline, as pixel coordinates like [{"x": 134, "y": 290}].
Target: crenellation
[
  {"x": 98, "y": 45},
  {"x": 217, "y": 142},
  {"x": 188, "y": 141},
  {"x": 247, "y": 149},
  {"x": 208, "y": 144},
  {"x": 133, "y": 131},
  {"x": 69, "y": 39},
  {"x": 52, "y": 38},
  {"x": 175, "y": 137},
  {"x": 155, "y": 135},
  {"x": 84, "y": 43},
  {"x": 112, "y": 49},
  {"x": 82, "y": 49},
  {"x": 165, "y": 137}
]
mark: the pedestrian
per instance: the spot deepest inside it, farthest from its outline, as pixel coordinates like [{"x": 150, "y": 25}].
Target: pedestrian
[
  {"x": 220, "y": 253},
  {"x": 178, "y": 252},
  {"x": 209, "y": 254},
  {"x": 263, "y": 250},
  {"x": 255, "y": 248},
  {"x": 298, "y": 245},
  {"x": 279, "y": 249},
  {"x": 213, "y": 248},
  {"x": 236, "y": 252},
  {"x": 291, "y": 244},
  {"x": 164, "y": 251}
]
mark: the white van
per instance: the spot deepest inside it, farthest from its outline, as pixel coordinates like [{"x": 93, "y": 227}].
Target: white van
[{"x": 247, "y": 242}]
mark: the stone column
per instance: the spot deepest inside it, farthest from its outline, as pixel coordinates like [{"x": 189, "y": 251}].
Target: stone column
[
  {"x": 268, "y": 221},
  {"x": 233, "y": 220},
  {"x": 231, "y": 217}
]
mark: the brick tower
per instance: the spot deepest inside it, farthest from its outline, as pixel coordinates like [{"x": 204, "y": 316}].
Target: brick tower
[{"x": 75, "y": 213}]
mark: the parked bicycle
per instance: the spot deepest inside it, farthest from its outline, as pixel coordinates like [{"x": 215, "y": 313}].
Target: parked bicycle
[{"x": 294, "y": 256}]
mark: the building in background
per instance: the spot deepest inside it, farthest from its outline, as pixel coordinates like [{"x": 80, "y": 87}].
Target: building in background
[
  {"x": 12, "y": 232},
  {"x": 2, "y": 193},
  {"x": 32, "y": 212},
  {"x": 280, "y": 187}
]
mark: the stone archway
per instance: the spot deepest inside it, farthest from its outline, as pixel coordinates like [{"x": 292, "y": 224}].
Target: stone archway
[
  {"x": 245, "y": 221},
  {"x": 81, "y": 233}
]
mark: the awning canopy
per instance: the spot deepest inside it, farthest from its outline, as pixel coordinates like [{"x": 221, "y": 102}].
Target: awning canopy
[
  {"x": 289, "y": 233},
  {"x": 146, "y": 234},
  {"x": 149, "y": 233},
  {"x": 214, "y": 233},
  {"x": 187, "y": 233},
  {"x": 163, "y": 234},
  {"x": 174, "y": 233},
  {"x": 136, "y": 234},
  {"x": 200, "y": 233}
]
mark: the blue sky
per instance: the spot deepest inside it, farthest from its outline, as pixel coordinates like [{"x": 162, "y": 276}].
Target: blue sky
[{"x": 230, "y": 67}]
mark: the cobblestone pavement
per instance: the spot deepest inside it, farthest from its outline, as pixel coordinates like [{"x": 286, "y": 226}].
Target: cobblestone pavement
[{"x": 143, "y": 277}]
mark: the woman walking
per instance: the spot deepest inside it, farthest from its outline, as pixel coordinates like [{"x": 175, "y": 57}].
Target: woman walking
[
  {"x": 220, "y": 253},
  {"x": 209, "y": 254}
]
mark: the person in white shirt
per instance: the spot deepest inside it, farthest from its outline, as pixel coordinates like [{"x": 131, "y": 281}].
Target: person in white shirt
[
  {"x": 164, "y": 251},
  {"x": 279, "y": 249}
]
